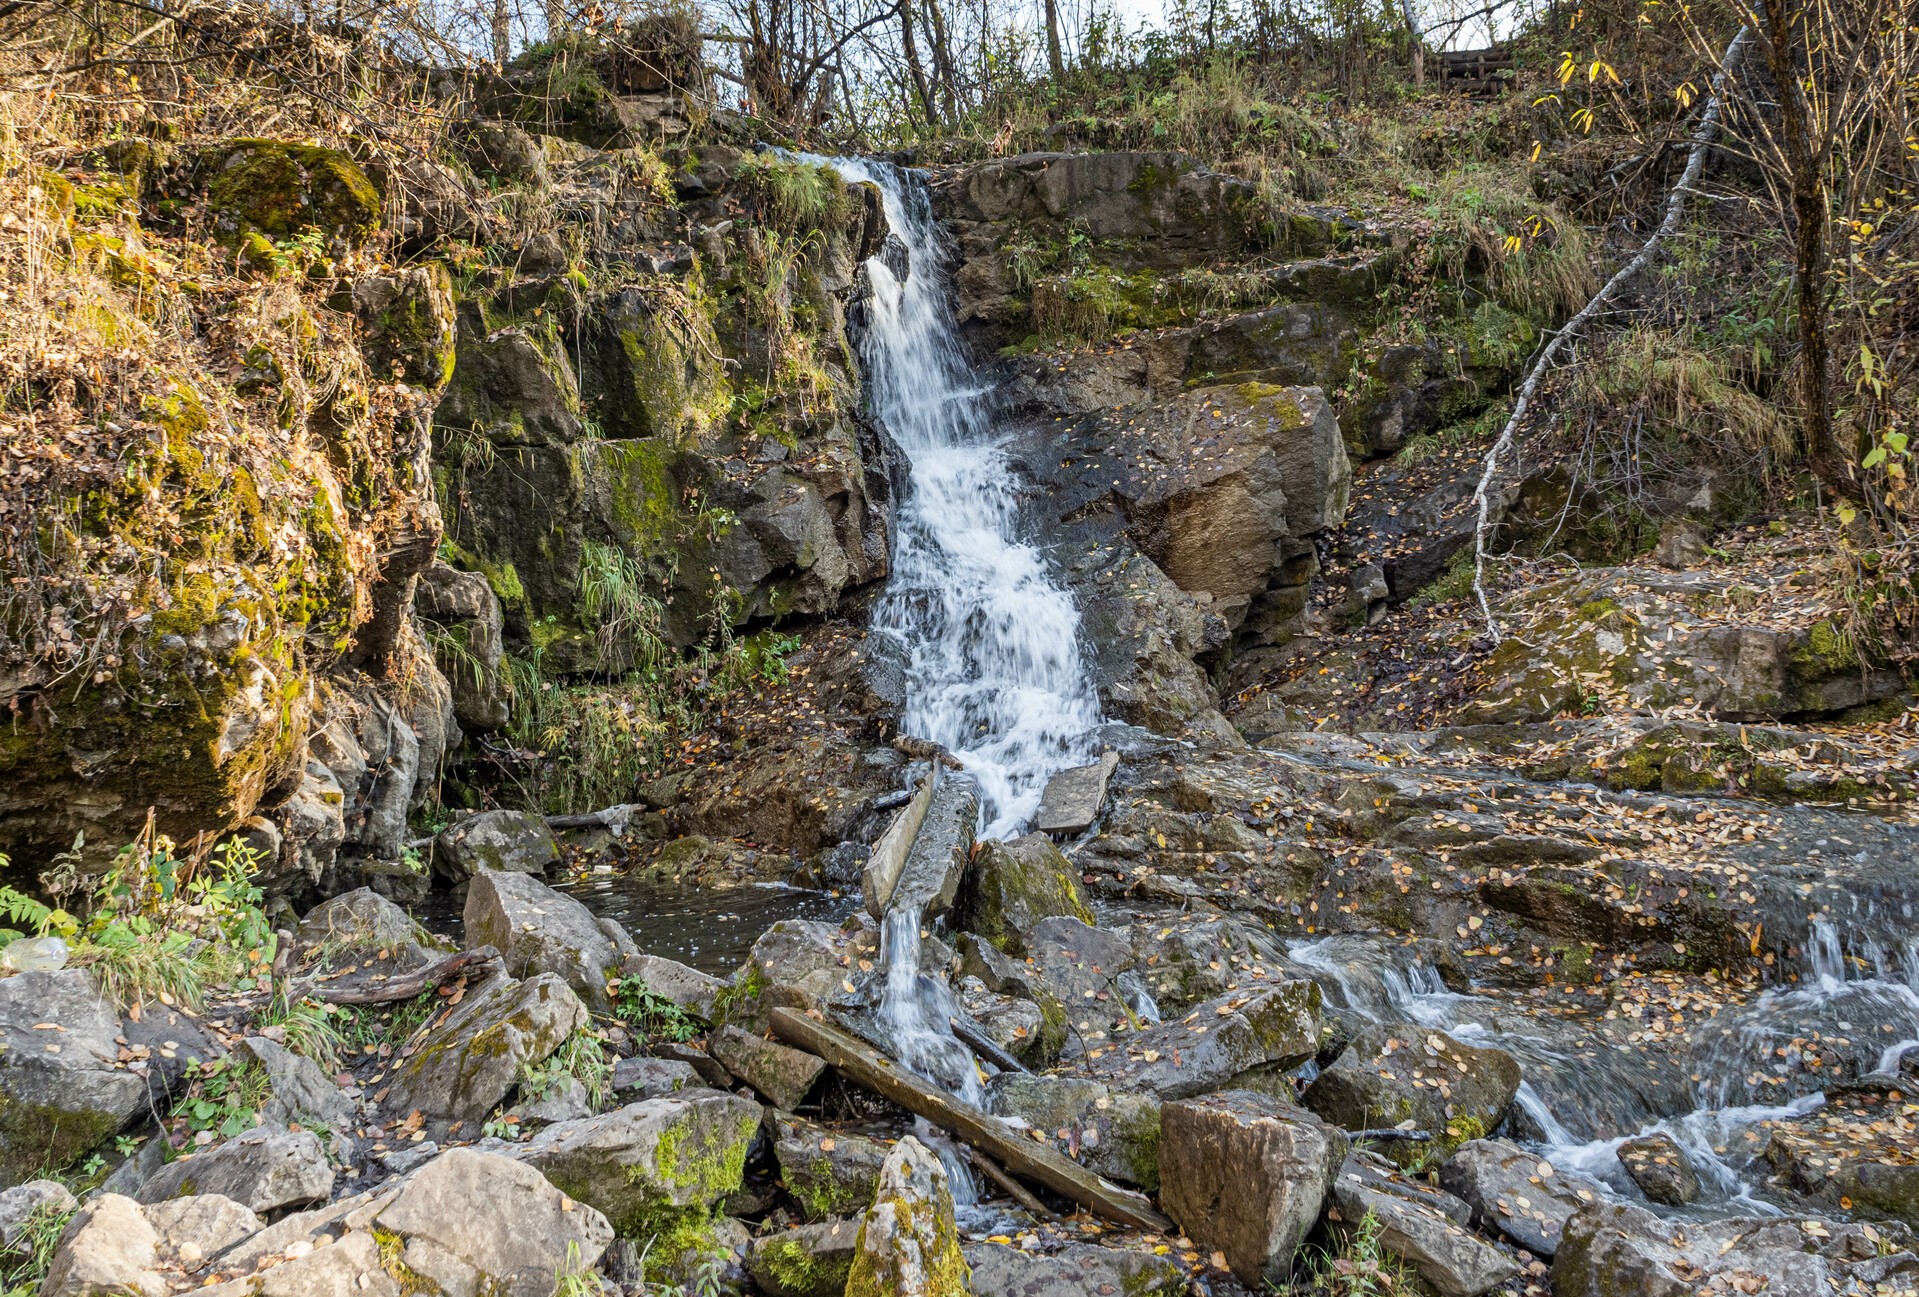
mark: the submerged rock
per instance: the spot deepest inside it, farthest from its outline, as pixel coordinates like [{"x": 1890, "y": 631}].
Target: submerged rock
[
  {"x": 908, "y": 1242},
  {"x": 1247, "y": 1174}
]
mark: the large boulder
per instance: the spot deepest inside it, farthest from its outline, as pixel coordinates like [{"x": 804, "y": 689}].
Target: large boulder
[
  {"x": 1249, "y": 1035},
  {"x": 649, "y": 1164},
  {"x": 1518, "y": 1193},
  {"x": 360, "y": 925},
  {"x": 279, "y": 188},
  {"x": 909, "y": 1242},
  {"x": 462, "y": 1067},
  {"x": 782, "y": 1074},
  {"x": 108, "y": 1250},
  {"x": 467, "y": 1222},
  {"x": 264, "y": 1169},
  {"x": 1395, "y": 1075},
  {"x": 1011, "y": 886},
  {"x": 1247, "y": 1174},
  {"x": 540, "y": 930},
  {"x": 1613, "y": 1248},
  {"x": 63, "y": 1088},
  {"x": 796, "y": 964}
]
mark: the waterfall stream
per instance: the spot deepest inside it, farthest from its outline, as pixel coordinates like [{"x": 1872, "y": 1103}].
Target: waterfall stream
[{"x": 990, "y": 639}]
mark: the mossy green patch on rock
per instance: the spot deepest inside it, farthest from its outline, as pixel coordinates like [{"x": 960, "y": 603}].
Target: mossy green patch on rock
[{"x": 281, "y": 188}]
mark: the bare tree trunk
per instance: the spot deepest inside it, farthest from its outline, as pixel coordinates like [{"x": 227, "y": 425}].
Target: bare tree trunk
[
  {"x": 502, "y": 34},
  {"x": 913, "y": 64},
  {"x": 943, "y": 69},
  {"x": 1419, "y": 42},
  {"x": 1054, "y": 58},
  {"x": 1812, "y": 221}
]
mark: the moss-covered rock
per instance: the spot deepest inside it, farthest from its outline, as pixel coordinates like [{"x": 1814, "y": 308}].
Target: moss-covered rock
[
  {"x": 1010, "y": 886},
  {"x": 1389, "y": 1076},
  {"x": 829, "y": 1173},
  {"x": 280, "y": 189},
  {"x": 908, "y": 1243},
  {"x": 807, "y": 1261}
]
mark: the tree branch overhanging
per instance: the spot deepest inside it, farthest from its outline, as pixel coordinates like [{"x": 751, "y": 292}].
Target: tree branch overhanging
[{"x": 1703, "y": 136}]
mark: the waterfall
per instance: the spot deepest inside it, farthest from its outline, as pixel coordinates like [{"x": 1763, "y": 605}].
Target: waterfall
[{"x": 991, "y": 641}]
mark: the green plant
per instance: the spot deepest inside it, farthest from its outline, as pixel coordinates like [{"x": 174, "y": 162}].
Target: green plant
[
  {"x": 1361, "y": 1267},
  {"x": 25, "y": 1264},
  {"x": 581, "y": 1056},
  {"x": 223, "y": 1096},
  {"x": 647, "y": 1011},
  {"x": 573, "y": 1279},
  {"x": 309, "y": 1029},
  {"x": 626, "y": 618},
  {"x": 794, "y": 195}
]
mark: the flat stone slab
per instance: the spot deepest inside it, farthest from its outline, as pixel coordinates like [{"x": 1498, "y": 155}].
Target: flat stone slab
[{"x": 1073, "y": 798}]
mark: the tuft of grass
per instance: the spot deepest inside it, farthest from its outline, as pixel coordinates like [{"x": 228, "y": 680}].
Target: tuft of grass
[
  {"x": 792, "y": 195},
  {"x": 25, "y": 1265},
  {"x": 1534, "y": 258},
  {"x": 581, "y": 1056},
  {"x": 310, "y": 1029}
]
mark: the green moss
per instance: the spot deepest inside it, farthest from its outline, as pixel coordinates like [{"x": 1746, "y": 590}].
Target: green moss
[
  {"x": 1598, "y": 609},
  {"x": 945, "y": 1270},
  {"x": 393, "y": 1261},
  {"x": 798, "y": 1273},
  {"x": 280, "y": 188},
  {"x": 1828, "y": 650},
  {"x": 1142, "y": 1150}
]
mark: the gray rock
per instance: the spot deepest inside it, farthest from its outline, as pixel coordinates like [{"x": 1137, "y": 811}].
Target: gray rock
[
  {"x": 649, "y": 1161},
  {"x": 1011, "y": 886},
  {"x": 689, "y": 988},
  {"x": 652, "y": 1078},
  {"x": 463, "y": 608},
  {"x": 1403, "y": 1073},
  {"x": 794, "y": 965},
  {"x": 109, "y": 1250},
  {"x": 1518, "y": 1193},
  {"x": 1423, "y": 1227},
  {"x": 299, "y": 1092},
  {"x": 1075, "y": 967},
  {"x": 1247, "y": 1174},
  {"x": 540, "y": 930},
  {"x": 167, "y": 1044},
  {"x": 409, "y": 1158},
  {"x": 510, "y": 841},
  {"x": 363, "y": 923},
  {"x": 805, "y": 1261},
  {"x": 928, "y": 879},
  {"x": 63, "y": 1090},
  {"x": 471, "y": 1219},
  {"x": 1612, "y": 1249},
  {"x": 561, "y": 1099},
  {"x": 1265, "y": 1030},
  {"x": 1077, "y": 1270},
  {"x": 1660, "y": 1168},
  {"x": 828, "y": 1172},
  {"x": 461, "y": 1069},
  {"x": 908, "y": 1242},
  {"x": 195, "y": 1228},
  {"x": 29, "y": 1204},
  {"x": 264, "y": 1169},
  {"x": 1115, "y": 1134},
  {"x": 782, "y": 1074},
  {"x": 1073, "y": 798},
  {"x": 353, "y": 1266}
]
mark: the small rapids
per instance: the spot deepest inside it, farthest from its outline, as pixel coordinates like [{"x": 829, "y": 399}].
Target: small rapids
[{"x": 1852, "y": 1002}]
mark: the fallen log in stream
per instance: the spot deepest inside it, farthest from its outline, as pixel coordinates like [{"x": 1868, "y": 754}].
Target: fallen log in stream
[{"x": 860, "y": 1063}]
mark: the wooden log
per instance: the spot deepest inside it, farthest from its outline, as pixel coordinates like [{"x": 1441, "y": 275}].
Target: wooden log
[
  {"x": 858, "y": 1062},
  {"x": 468, "y": 963},
  {"x": 1012, "y": 1188},
  {"x": 980, "y": 1043}
]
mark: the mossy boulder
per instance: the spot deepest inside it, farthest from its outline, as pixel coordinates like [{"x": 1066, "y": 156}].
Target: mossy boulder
[
  {"x": 465, "y": 1065},
  {"x": 407, "y": 324},
  {"x": 828, "y": 1172},
  {"x": 1010, "y": 886},
  {"x": 806, "y": 1261},
  {"x": 909, "y": 1243},
  {"x": 654, "y": 1166},
  {"x": 281, "y": 189},
  {"x": 1113, "y": 1133}
]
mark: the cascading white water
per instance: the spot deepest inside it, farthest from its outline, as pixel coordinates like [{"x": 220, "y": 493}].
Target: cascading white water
[{"x": 994, "y": 671}]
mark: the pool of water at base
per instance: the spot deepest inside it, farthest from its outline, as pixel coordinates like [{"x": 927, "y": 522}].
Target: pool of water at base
[{"x": 710, "y": 929}]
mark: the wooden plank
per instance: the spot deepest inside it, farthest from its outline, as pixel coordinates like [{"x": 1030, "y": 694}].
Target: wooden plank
[
  {"x": 858, "y": 1062},
  {"x": 888, "y": 856}
]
